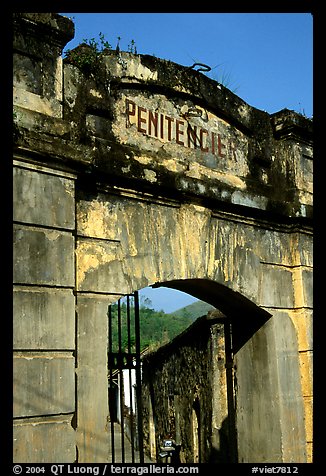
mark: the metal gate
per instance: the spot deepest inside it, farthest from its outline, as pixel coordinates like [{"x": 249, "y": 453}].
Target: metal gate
[{"x": 125, "y": 406}]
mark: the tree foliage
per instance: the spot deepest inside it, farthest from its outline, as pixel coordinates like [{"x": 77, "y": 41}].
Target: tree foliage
[{"x": 156, "y": 327}]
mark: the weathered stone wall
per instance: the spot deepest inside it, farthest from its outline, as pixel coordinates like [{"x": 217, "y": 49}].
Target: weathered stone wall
[
  {"x": 44, "y": 263},
  {"x": 189, "y": 371},
  {"x": 44, "y": 314},
  {"x": 148, "y": 172}
]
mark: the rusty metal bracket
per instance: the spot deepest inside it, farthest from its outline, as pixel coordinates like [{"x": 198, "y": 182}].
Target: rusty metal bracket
[{"x": 203, "y": 67}]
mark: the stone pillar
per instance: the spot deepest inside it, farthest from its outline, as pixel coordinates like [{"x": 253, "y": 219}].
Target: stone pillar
[
  {"x": 43, "y": 267},
  {"x": 268, "y": 389},
  {"x": 301, "y": 317},
  {"x": 39, "y": 39},
  {"x": 44, "y": 315},
  {"x": 92, "y": 379},
  {"x": 220, "y": 423}
]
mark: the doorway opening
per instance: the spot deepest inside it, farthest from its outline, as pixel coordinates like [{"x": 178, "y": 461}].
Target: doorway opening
[{"x": 144, "y": 418}]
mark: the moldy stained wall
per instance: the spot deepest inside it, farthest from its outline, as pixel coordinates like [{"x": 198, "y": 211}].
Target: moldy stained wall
[{"x": 185, "y": 397}]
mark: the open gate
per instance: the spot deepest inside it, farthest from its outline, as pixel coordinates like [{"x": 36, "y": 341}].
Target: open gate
[{"x": 125, "y": 406}]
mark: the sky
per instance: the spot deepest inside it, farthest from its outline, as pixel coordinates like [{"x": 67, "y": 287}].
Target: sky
[
  {"x": 166, "y": 299},
  {"x": 265, "y": 58}
]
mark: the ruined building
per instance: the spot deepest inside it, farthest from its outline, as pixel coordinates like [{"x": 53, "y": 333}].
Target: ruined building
[
  {"x": 187, "y": 394},
  {"x": 135, "y": 171}
]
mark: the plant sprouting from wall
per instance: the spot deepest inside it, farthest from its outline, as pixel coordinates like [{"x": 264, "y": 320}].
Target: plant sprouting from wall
[
  {"x": 132, "y": 47},
  {"x": 88, "y": 54}
]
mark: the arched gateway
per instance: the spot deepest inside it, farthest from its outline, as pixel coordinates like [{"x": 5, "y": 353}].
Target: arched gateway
[{"x": 137, "y": 172}]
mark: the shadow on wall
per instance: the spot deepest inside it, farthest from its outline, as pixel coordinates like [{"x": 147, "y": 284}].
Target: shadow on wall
[
  {"x": 220, "y": 450},
  {"x": 233, "y": 304},
  {"x": 243, "y": 320}
]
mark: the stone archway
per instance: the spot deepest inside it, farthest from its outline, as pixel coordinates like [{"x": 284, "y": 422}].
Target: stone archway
[
  {"x": 259, "y": 407},
  {"x": 126, "y": 244}
]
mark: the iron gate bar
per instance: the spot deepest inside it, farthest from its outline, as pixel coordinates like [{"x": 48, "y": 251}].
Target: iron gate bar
[
  {"x": 230, "y": 391},
  {"x": 130, "y": 364},
  {"x": 111, "y": 384},
  {"x": 122, "y": 357},
  {"x": 120, "y": 366},
  {"x": 138, "y": 380}
]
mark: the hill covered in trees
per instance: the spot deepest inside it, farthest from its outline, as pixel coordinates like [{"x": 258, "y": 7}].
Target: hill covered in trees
[
  {"x": 156, "y": 327},
  {"x": 193, "y": 311}
]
